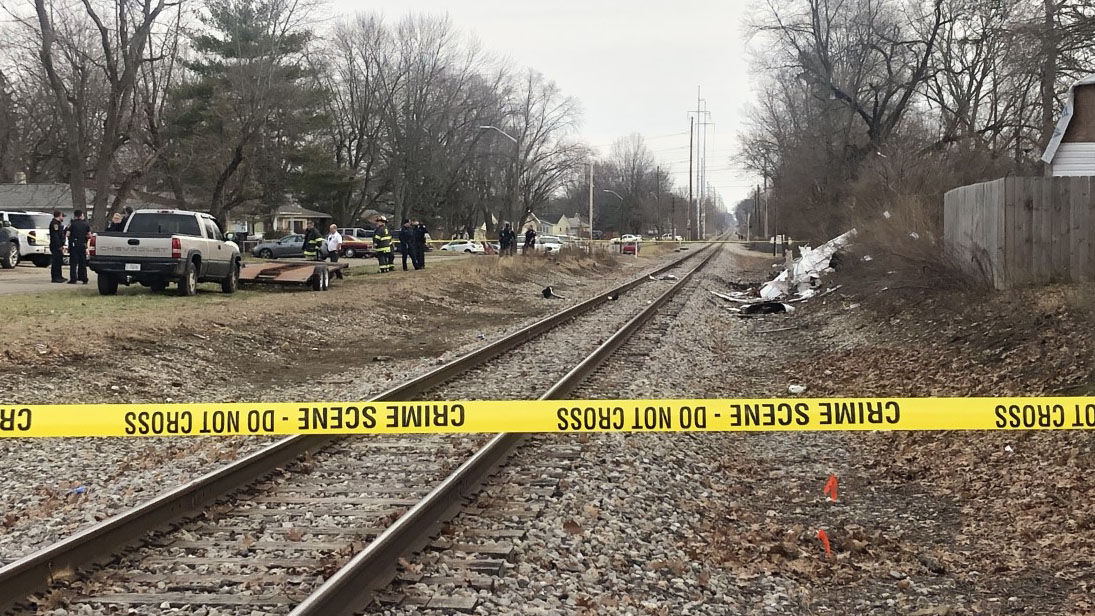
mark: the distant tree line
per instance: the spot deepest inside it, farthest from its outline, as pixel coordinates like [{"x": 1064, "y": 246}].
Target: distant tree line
[
  {"x": 876, "y": 106},
  {"x": 224, "y": 104}
]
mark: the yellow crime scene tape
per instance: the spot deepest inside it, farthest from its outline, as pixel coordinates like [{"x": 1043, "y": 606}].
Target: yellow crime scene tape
[{"x": 546, "y": 416}]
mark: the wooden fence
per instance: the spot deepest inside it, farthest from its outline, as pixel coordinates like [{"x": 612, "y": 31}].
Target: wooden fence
[{"x": 1020, "y": 231}]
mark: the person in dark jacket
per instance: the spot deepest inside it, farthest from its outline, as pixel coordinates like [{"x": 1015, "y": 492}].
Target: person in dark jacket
[
  {"x": 407, "y": 244},
  {"x": 57, "y": 246},
  {"x": 506, "y": 239},
  {"x": 312, "y": 241},
  {"x": 117, "y": 223},
  {"x": 530, "y": 241},
  {"x": 382, "y": 245},
  {"x": 78, "y": 233},
  {"x": 420, "y": 235}
]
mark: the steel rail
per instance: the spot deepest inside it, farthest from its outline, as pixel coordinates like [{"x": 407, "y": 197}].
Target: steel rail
[
  {"x": 101, "y": 542},
  {"x": 351, "y": 587}
]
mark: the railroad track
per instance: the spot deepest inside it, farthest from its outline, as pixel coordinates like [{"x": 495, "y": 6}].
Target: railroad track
[{"x": 309, "y": 509}]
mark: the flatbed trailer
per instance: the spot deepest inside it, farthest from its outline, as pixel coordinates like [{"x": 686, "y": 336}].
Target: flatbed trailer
[{"x": 306, "y": 273}]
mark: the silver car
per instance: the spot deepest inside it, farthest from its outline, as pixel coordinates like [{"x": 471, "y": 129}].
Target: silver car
[{"x": 288, "y": 246}]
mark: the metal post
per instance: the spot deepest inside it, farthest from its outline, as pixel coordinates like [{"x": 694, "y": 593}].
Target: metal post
[{"x": 591, "y": 207}]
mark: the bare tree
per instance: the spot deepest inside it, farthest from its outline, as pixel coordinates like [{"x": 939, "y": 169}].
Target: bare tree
[
  {"x": 541, "y": 120},
  {"x": 123, "y": 37},
  {"x": 351, "y": 69}
]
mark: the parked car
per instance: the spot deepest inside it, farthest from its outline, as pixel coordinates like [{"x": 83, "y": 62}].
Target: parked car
[
  {"x": 158, "y": 247},
  {"x": 288, "y": 246},
  {"x": 24, "y": 236},
  {"x": 463, "y": 246},
  {"x": 549, "y": 243},
  {"x": 356, "y": 242}
]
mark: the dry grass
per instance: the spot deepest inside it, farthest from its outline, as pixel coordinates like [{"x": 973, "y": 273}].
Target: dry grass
[{"x": 900, "y": 260}]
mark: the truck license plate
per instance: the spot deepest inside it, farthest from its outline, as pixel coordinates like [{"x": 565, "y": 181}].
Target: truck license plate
[{"x": 132, "y": 267}]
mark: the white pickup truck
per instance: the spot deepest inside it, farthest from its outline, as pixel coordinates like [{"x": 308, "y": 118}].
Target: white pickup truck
[{"x": 158, "y": 247}]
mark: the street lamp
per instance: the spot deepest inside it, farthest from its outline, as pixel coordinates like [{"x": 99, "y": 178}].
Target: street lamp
[
  {"x": 504, "y": 133},
  {"x": 516, "y": 163},
  {"x": 614, "y": 193}
]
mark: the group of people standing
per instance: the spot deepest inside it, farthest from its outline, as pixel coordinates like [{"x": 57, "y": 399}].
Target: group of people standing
[
  {"x": 321, "y": 248},
  {"x": 413, "y": 236},
  {"x": 76, "y": 235},
  {"x": 507, "y": 241},
  {"x": 412, "y": 240}
]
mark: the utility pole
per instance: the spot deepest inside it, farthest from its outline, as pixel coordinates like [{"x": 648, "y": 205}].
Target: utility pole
[
  {"x": 657, "y": 200},
  {"x": 591, "y": 206},
  {"x": 691, "y": 203},
  {"x": 701, "y": 115},
  {"x": 756, "y": 207},
  {"x": 673, "y": 216}
]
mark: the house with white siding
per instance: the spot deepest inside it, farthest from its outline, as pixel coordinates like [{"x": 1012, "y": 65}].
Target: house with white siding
[{"x": 1071, "y": 149}]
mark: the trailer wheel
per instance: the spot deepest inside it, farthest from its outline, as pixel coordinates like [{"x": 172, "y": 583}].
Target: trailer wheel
[
  {"x": 317, "y": 278},
  {"x": 326, "y": 279}
]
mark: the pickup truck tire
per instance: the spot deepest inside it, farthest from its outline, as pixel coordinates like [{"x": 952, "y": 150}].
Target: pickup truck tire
[
  {"x": 10, "y": 256},
  {"x": 232, "y": 283},
  {"x": 188, "y": 284},
  {"x": 108, "y": 285}
]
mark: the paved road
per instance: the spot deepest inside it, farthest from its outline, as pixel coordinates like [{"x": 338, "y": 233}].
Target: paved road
[{"x": 26, "y": 278}]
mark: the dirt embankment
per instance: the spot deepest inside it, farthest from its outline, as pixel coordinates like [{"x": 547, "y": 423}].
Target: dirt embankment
[{"x": 140, "y": 346}]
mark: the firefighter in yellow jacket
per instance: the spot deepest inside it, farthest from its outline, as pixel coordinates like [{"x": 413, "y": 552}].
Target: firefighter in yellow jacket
[{"x": 382, "y": 245}]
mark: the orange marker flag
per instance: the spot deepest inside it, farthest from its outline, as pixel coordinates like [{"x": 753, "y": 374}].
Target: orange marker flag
[
  {"x": 830, "y": 488},
  {"x": 825, "y": 542}
]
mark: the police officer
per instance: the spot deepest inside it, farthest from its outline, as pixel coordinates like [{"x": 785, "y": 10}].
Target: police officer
[
  {"x": 312, "y": 241},
  {"x": 78, "y": 233},
  {"x": 420, "y": 235},
  {"x": 382, "y": 245},
  {"x": 407, "y": 244},
  {"x": 507, "y": 240},
  {"x": 530, "y": 241},
  {"x": 57, "y": 246}
]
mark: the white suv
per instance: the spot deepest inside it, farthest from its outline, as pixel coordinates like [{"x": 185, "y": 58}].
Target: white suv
[{"x": 25, "y": 236}]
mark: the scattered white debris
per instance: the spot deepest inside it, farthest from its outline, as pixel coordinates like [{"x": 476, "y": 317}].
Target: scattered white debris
[
  {"x": 796, "y": 389},
  {"x": 805, "y": 272},
  {"x": 1008, "y": 449},
  {"x": 914, "y": 235},
  {"x": 886, "y": 214},
  {"x": 867, "y": 258}
]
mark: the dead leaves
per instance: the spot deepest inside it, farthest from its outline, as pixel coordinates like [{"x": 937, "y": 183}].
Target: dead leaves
[{"x": 572, "y": 527}]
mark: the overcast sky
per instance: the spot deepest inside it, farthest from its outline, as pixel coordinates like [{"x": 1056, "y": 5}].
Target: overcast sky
[{"x": 634, "y": 65}]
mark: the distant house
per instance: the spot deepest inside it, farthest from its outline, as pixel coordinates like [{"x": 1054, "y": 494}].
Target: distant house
[
  {"x": 50, "y": 197},
  {"x": 1071, "y": 149},
  {"x": 571, "y": 225},
  {"x": 541, "y": 227},
  {"x": 255, "y": 220},
  {"x": 38, "y": 197}
]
